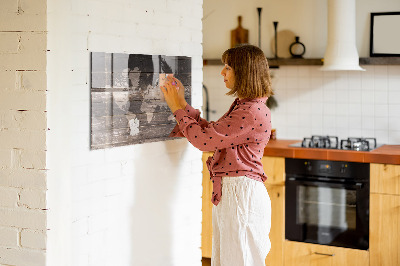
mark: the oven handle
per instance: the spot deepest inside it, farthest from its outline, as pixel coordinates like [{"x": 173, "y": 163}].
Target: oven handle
[
  {"x": 357, "y": 185},
  {"x": 324, "y": 254}
]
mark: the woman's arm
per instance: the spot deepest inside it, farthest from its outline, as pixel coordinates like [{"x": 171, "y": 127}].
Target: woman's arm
[{"x": 174, "y": 94}]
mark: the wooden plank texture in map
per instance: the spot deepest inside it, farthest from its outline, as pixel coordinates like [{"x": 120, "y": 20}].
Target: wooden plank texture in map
[{"x": 127, "y": 106}]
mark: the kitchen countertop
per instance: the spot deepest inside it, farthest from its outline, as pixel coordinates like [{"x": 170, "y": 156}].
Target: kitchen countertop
[{"x": 389, "y": 154}]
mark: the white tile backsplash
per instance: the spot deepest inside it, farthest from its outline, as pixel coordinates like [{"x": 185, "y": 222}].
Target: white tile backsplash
[
  {"x": 314, "y": 102},
  {"x": 343, "y": 103}
]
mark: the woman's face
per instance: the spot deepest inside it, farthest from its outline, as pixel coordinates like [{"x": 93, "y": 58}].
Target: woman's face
[{"x": 229, "y": 76}]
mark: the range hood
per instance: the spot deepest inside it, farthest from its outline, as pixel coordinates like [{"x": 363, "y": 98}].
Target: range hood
[{"x": 341, "y": 51}]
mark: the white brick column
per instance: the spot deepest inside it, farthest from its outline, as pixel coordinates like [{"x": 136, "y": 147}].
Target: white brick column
[{"x": 23, "y": 215}]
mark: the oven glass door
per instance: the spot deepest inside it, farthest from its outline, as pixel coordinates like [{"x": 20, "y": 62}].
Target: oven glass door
[{"x": 327, "y": 213}]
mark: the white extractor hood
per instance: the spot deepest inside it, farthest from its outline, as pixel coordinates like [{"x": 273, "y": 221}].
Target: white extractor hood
[{"x": 341, "y": 51}]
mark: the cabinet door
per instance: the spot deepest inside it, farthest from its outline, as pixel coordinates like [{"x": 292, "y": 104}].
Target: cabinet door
[
  {"x": 304, "y": 254},
  {"x": 384, "y": 230},
  {"x": 274, "y": 168},
  {"x": 385, "y": 178},
  {"x": 277, "y": 233},
  {"x": 206, "y": 226}
]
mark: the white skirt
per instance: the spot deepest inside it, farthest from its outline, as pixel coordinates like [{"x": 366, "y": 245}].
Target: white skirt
[{"x": 241, "y": 223}]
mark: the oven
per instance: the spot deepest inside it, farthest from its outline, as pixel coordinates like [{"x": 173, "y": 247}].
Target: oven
[{"x": 327, "y": 202}]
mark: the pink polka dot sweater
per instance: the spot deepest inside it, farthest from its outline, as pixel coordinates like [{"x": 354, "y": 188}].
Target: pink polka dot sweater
[{"x": 238, "y": 139}]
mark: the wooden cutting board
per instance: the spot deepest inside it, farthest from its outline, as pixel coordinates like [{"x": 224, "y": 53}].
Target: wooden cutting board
[{"x": 239, "y": 35}]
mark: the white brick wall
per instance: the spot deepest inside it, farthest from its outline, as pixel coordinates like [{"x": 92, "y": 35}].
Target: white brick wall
[
  {"x": 23, "y": 132},
  {"x": 133, "y": 205}
]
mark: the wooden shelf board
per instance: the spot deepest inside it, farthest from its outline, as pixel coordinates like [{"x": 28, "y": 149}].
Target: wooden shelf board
[{"x": 275, "y": 62}]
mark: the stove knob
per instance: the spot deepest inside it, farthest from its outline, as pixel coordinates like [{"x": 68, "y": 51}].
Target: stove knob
[
  {"x": 308, "y": 166},
  {"x": 343, "y": 168}
]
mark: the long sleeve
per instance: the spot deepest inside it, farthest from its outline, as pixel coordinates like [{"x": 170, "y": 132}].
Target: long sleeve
[
  {"x": 229, "y": 131},
  {"x": 193, "y": 113}
]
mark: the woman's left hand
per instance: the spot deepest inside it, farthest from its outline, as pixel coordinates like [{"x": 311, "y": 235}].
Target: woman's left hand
[{"x": 169, "y": 89}]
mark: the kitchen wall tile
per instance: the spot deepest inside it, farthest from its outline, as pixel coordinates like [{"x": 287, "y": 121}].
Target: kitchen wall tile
[
  {"x": 304, "y": 109},
  {"x": 394, "y": 83},
  {"x": 381, "y": 123},
  {"x": 278, "y": 83},
  {"x": 367, "y": 81},
  {"x": 292, "y": 83},
  {"x": 355, "y": 109},
  {"x": 329, "y": 109},
  {"x": 367, "y": 133},
  {"x": 291, "y": 71},
  {"x": 380, "y": 71},
  {"x": 342, "y": 109},
  {"x": 381, "y": 136},
  {"x": 394, "y": 71},
  {"x": 329, "y": 123},
  {"x": 354, "y": 122},
  {"x": 317, "y": 121},
  {"x": 293, "y": 120},
  {"x": 394, "y": 110},
  {"x": 329, "y": 102},
  {"x": 329, "y": 93},
  {"x": 355, "y": 96},
  {"x": 316, "y": 82},
  {"x": 367, "y": 96},
  {"x": 304, "y": 72},
  {"x": 381, "y": 84},
  {"x": 394, "y": 97},
  {"x": 368, "y": 122},
  {"x": 317, "y": 131},
  {"x": 342, "y": 96},
  {"x": 317, "y": 108},
  {"x": 315, "y": 72},
  {"x": 354, "y": 80},
  {"x": 342, "y": 80},
  {"x": 304, "y": 82},
  {"x": 394, "y": 123},
  {"x": 355, "y": 132},
  {"x": 317, "y": 95},
  {"x": 342, "y": 122},
  {"x": 381, "y": 97},
  {"x": 342, "y": 133},
  {"x": 278, "y": 71},
  {"x": 367, "y": 110},
  {"x": 328, "y": 74},
  {"x": 381, "y": 110},
  {"x": 394, "y": 137}
]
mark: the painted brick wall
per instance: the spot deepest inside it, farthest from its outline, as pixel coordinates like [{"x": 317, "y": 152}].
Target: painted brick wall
[
  {"x": 133, "y": 205},
  {"x": 23, "y": 133}
]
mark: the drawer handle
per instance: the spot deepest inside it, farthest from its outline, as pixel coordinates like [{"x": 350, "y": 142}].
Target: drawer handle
[{"x": 324, "y": 254}]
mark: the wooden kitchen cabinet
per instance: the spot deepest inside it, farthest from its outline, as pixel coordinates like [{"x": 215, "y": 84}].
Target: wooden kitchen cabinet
[
  {"x": 385, "y": 178},
  {"x": 385, "y": 215},
  {"x": 274, "y": 168},
  {"x": 384, "y": 236},
  {"x": 305, "y": 254},
  {"x": 206, "y": 225},
  {"x": 277, "y": 233}
]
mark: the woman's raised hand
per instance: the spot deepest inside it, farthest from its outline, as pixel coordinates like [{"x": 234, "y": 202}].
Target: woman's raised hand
[{"x": 174, "y": 93}]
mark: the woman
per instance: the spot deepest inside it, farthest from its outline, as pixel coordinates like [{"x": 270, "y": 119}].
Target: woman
[{"x": 242, "y": 208}]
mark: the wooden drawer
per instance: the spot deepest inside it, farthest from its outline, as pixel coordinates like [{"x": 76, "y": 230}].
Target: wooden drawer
[
  {"x": 304, "y": 254},
  {"x": 385, "y": 178},
  {"x": 274, "y": 168}
]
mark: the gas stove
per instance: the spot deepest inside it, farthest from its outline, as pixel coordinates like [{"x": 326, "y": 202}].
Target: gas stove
[{"x": 332, "y": 142}]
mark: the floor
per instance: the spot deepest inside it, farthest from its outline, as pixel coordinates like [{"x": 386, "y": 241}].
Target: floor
[{"x": 206, "y": 261}]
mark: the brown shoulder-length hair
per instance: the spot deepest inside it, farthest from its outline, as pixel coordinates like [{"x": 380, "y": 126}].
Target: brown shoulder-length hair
[{"x": 250, "y": 66}]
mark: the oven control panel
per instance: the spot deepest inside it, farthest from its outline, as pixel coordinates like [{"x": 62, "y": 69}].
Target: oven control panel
[{"x": 338, "y": 169}]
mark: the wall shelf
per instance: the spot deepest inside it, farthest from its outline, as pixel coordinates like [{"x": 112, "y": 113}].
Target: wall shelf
[{"x": 274, "y": 63}]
